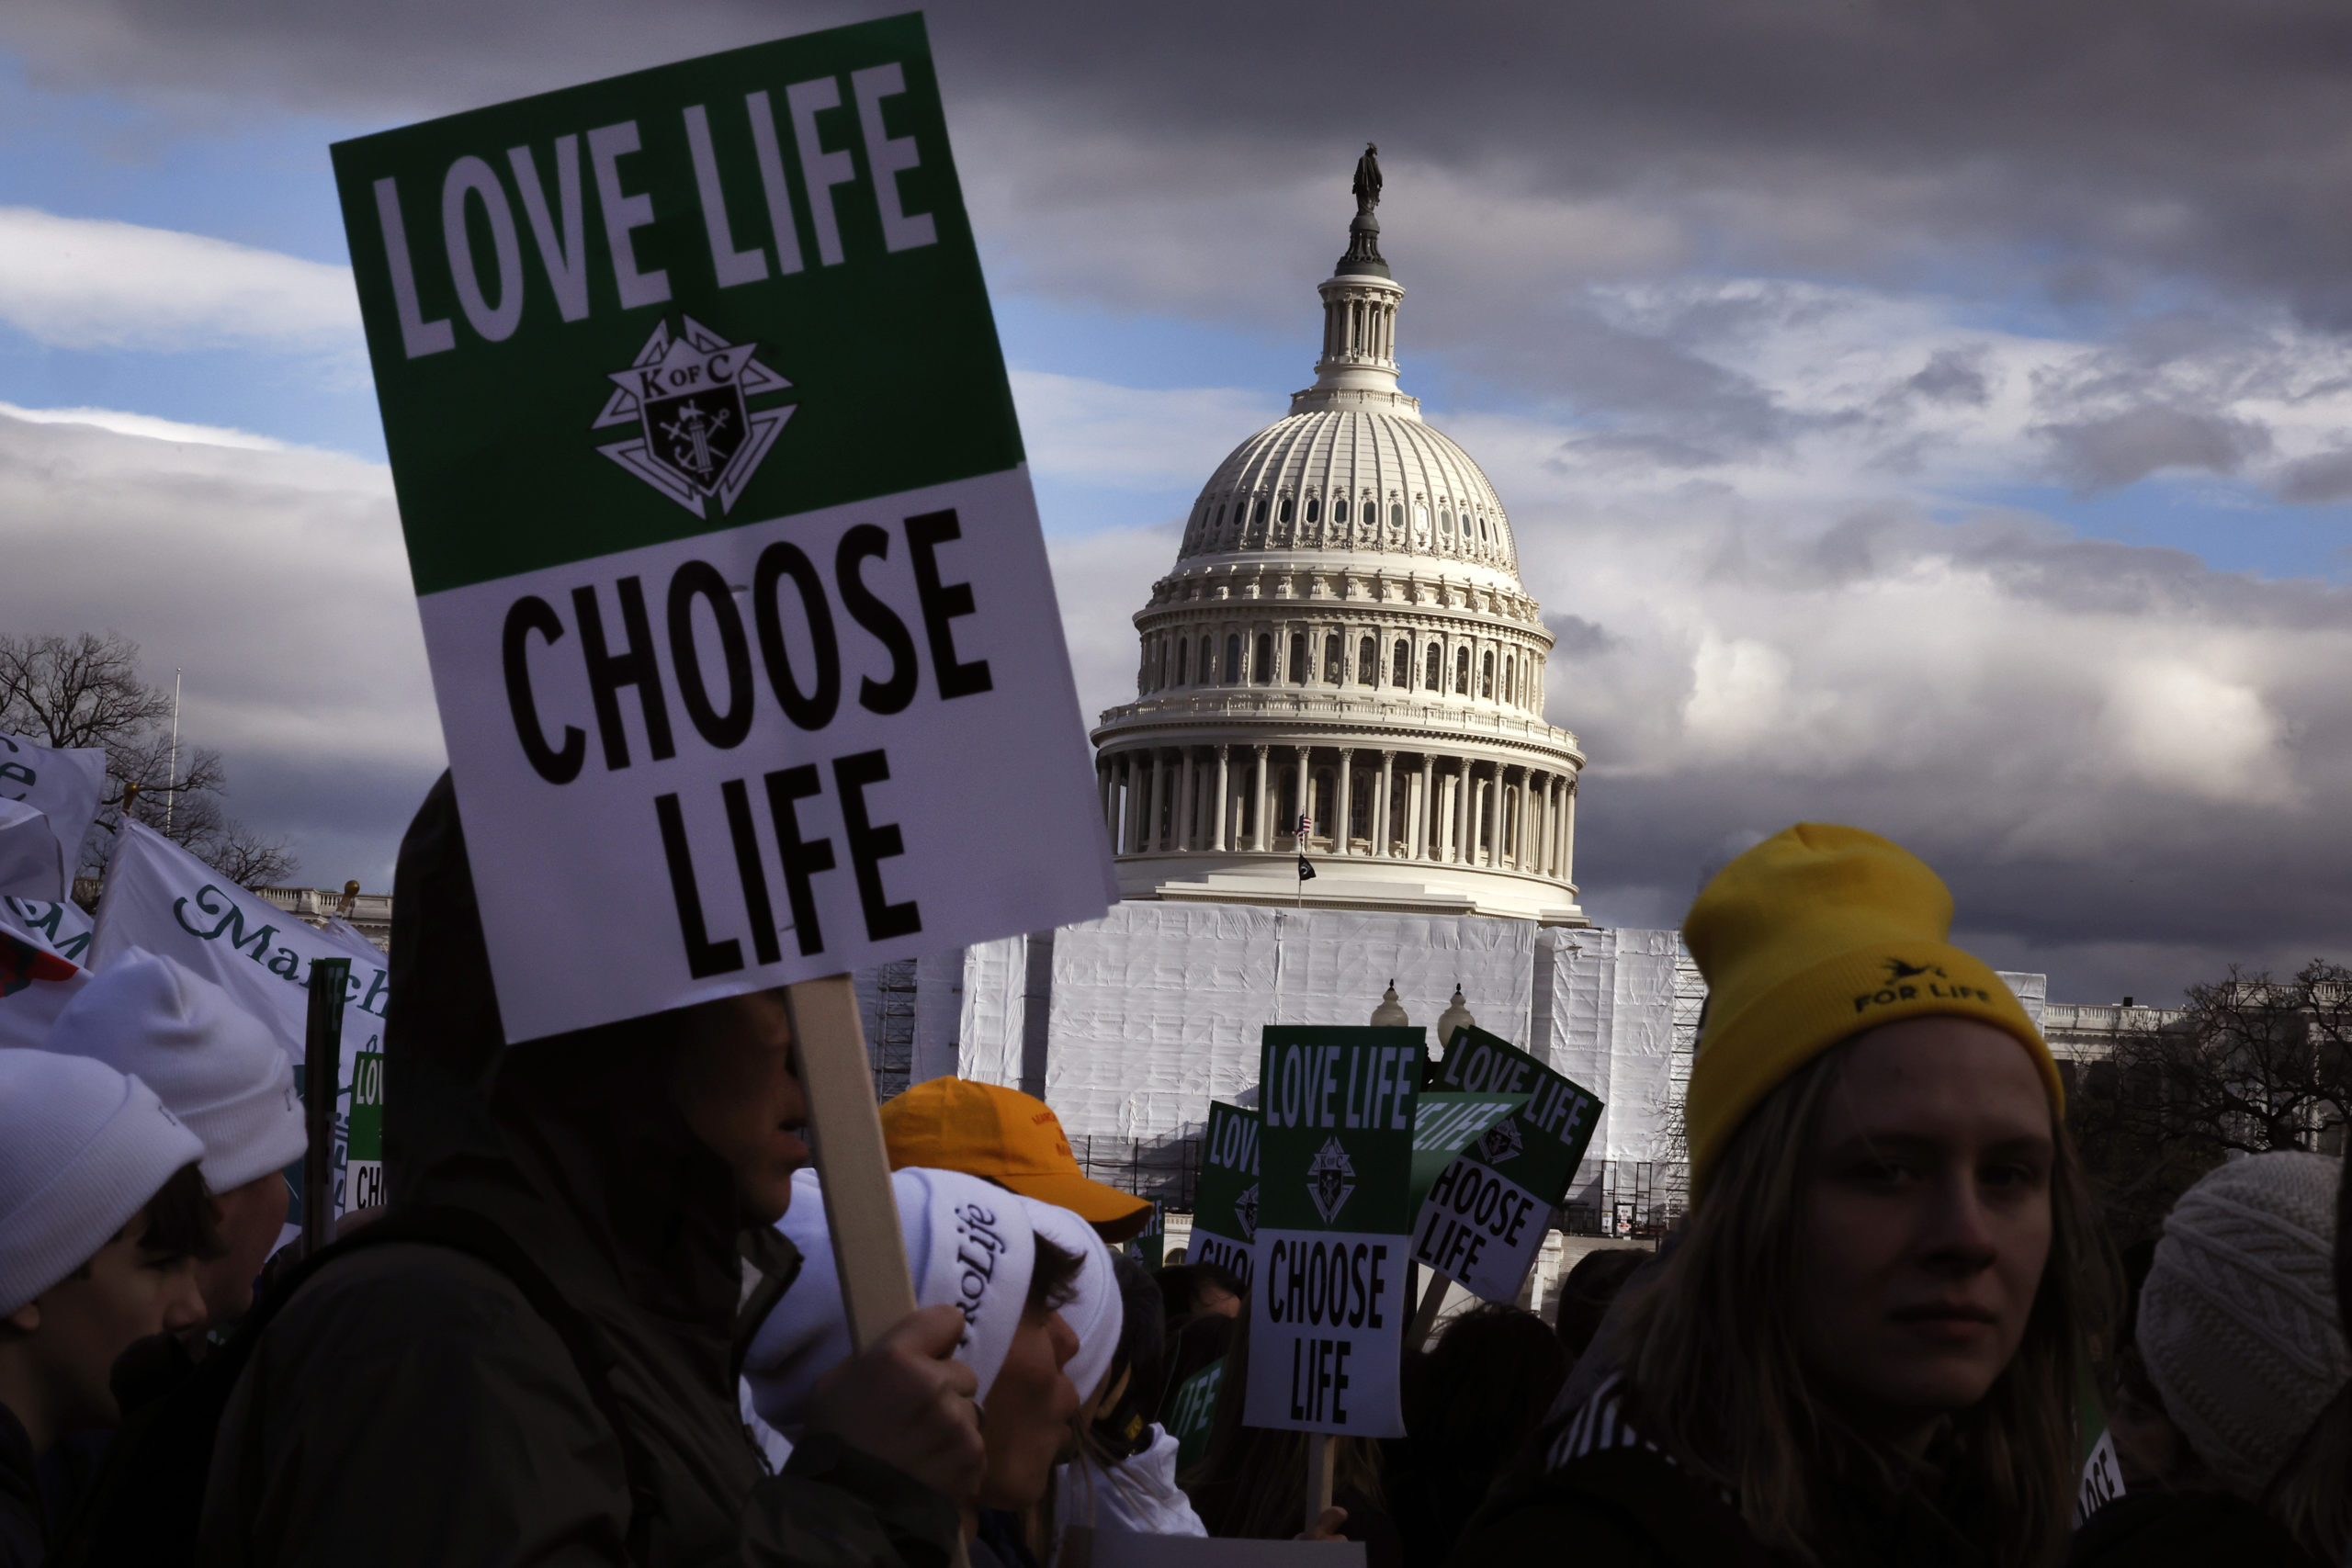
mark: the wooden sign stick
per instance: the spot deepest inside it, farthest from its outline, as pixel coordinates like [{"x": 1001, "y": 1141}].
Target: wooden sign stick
[
  {"x": 853, "y": 1164},
  {"x": 1321, "y": 1457},
  {"x": 1417, "y": 1333},
  {"x": 854, "y": 1168}
]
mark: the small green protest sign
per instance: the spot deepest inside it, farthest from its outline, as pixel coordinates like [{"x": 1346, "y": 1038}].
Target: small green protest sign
[
  {"x": 1225, "y": 1209},
  {"x": 716, "y": 512},
  {"x": 1327, "y": 1317},
  {"x": 1191, "y": 1411},
  {"x": 363, "y": 1181},
  {"x": 1484, "y": 1217},
  {"x": 1445, "y": 1124},
  {"x": 1149, "y": 1244}
]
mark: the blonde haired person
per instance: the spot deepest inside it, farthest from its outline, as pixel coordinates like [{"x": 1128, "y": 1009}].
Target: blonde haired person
[{"x": 1866, "y": 1348}]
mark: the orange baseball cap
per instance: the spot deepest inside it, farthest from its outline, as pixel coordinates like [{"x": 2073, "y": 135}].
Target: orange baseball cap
[{"x": 1007, "y": 1137}]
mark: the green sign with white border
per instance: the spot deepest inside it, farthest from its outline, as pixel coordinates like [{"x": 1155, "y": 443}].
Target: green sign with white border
[
  {"x": 1327, "y": 1319},
  {"x": 1224, "y": 1206},
  {"x": 1483, "y": 1219}
]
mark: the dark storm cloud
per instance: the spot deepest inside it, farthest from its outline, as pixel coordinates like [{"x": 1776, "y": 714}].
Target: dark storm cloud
[
  {"x": 2132, "y": 767},
  {"x": 2207, "y": 139}
]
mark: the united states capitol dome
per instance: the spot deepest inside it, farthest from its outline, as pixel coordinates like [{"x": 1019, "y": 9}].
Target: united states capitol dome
[
  {"x": 1353, "y": 478},
  {"x": 1340, "y": 695}
]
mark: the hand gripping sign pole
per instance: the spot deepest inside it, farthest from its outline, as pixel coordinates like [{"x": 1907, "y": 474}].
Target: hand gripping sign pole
[
  {"x": 853, "y": 1164},
  {"x": 726, "y": 554},
  {"x": 322, "y": 1063}
]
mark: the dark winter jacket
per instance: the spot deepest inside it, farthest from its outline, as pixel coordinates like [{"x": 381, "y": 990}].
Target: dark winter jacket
[
  {"x": 1590, "y": 1478},
  {"x": 409, "y": 1407},
  {"x": 2185, "y": 1530},
  {"x": 24, "y": 1522}
]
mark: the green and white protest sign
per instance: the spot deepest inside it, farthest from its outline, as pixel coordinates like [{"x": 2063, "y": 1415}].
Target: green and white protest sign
[
  {"x": 1149, "y": 1244},
  {"x": 1328, "y": 1315},
  {"x": 363, "y": 1181},
  {"x": 739, "y": 615},
  {"x": 1445, "y": 1124},
  {"x": 1224, "y": 1206},
  {"x": 1191, "y": 1411},
  {"x": 1484, "y": 1218}
]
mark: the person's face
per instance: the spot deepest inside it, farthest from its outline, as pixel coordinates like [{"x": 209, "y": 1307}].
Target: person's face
[
  {"x": 82, "y": 1323},
  {"x": 1926, "y": 1223},
  {"x": 250, "y": 1218},
  {"x": 1025, "y": 1420},
  {"x": 734, "y": 1081}
]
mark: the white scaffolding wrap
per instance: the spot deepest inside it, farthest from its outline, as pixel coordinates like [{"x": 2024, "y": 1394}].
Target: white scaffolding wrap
[
  {"x": 988, "y": 1036},
  {"x": 1156, "y": 1007},
  {"x": 1621, "y": 1016}
]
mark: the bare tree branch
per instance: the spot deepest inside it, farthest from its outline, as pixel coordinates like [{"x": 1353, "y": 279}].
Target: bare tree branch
[
  {"x": 2254, "y": 1064},
  {"x": 85, "y": 691}
]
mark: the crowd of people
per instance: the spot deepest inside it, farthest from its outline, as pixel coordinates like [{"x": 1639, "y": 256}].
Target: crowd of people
[{"x": 598, "y": 1321}]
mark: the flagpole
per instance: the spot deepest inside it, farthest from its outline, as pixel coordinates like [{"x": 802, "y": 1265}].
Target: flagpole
[{"x": 172, "y": 787}]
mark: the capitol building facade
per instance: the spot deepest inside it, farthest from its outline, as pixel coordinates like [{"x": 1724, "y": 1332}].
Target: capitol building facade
[{"x": 1344, "y": 645}]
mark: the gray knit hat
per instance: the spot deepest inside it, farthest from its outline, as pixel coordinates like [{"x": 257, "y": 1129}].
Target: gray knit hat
[{"x": 2238, "y": 1322}]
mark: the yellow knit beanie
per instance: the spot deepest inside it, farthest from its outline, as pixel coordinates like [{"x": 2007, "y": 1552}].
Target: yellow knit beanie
[{"x": 1814, "y": 935}]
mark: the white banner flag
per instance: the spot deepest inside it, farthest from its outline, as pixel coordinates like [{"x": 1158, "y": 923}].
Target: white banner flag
[
  {"x": 57, "y": 924},
  {"x": 160, "y": 897},
  {"x": 65, "y": 787},
  {"x": 31, "y": 864},
  {"x": 35, "y": 985}
]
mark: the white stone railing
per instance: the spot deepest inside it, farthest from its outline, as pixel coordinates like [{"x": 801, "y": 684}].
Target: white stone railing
[
  {"x": 319, "y": 904},
  {"x": 1264, "y": 702}
]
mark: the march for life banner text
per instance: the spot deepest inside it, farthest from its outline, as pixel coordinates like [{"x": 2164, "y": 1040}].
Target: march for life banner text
[
  {"x": 1225, "y": 1209},
  {"x": 1327, "y": 1315},
  {"x": 739, "y": 614},
  {"x": 57, "y": 924},
  {"x": 36, "y": 983},
  {"x": 160, "y": 897},
  {"x": 64, "y": 785},
  {"x": 1483, "y": 1219}
]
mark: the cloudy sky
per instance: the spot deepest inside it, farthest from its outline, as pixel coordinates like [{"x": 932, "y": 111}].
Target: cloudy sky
[{"x": 1928, "y": 415}]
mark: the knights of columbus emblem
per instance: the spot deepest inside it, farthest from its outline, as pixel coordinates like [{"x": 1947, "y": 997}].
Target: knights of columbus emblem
[
  {"x": 1502, "y": 1142},
  {"x": 1329, "y": 1179},
  {"x": 698, "y": 439},
  {"x": 1245, "y": 1209}
]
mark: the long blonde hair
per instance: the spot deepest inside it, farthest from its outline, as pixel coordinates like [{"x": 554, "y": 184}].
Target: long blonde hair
[{"x": 1715, "y": 1375}]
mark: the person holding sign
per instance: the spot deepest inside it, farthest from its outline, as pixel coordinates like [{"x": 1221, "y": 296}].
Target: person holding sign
[
  {"x": 550, "y": 1357},
  {"x": 1865, "y": 1349},
  {"x": 1251, "y": 1483}
]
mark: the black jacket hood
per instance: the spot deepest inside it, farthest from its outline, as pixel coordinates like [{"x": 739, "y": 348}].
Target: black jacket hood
[{"x": 583, "y": 1122}]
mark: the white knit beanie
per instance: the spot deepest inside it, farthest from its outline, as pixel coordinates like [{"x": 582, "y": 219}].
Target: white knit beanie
[
  {"x": 968, "y": 1242},
  {"x": 2238, "y": 1322},
  {"x": 219, "y": 1069},
  {"x": 1095, "y": 1313},
  {"x": 82, "y": 1150}
]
